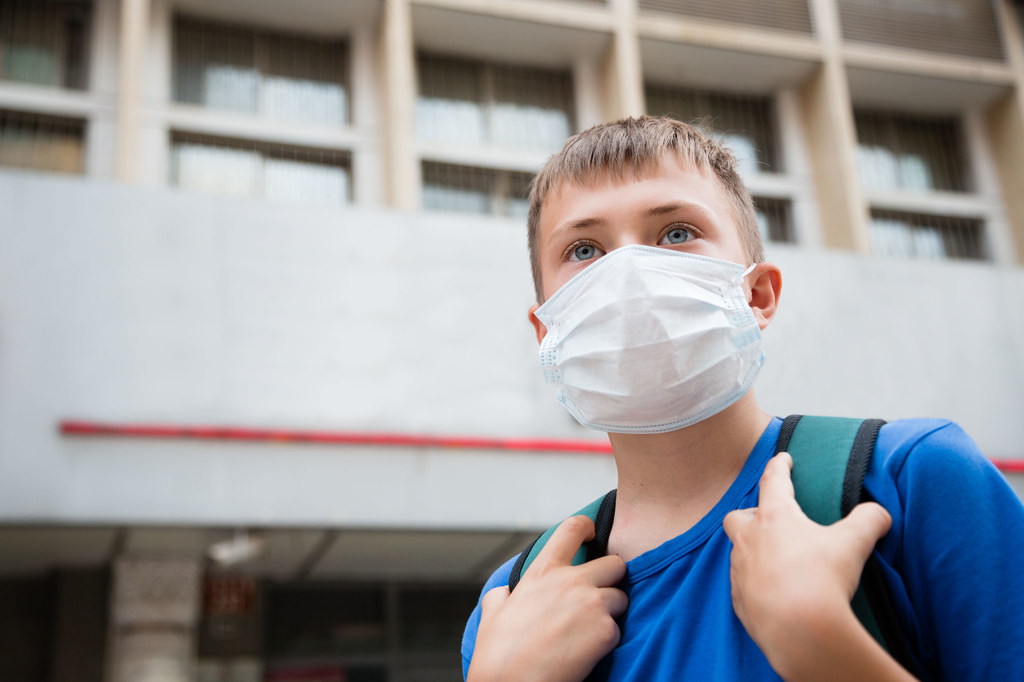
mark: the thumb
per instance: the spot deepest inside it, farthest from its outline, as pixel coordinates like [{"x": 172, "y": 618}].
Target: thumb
[
  {"x": 494, "y": 599},
  {"x": 865, "y": 525}
]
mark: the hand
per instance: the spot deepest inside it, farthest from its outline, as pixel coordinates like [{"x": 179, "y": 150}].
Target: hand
[
  {"x": 792, "y": 579},
  {"x": 559, "y": 622}
]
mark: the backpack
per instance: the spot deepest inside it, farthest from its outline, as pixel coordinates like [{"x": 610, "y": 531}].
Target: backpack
[{"x": 831, "y": 456}]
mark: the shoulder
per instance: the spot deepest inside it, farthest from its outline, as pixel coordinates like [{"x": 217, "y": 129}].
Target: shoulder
[
  {"x": 942, "y": 493},
  {"x": 910, "y": 448},
  {"x": 953, "y": 551},
  {"x": 498, "y": 579}
]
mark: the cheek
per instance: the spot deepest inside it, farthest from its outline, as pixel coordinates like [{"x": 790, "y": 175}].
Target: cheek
[
  {"x": 556, "y": 280},
  {"x": 554, "y": 275}
]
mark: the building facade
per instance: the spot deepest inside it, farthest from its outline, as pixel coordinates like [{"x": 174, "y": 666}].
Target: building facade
[{"x": 269, "y": 403}]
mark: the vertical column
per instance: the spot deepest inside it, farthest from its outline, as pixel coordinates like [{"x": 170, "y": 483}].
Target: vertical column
[
  {"x": 1004, "y": 122},
  {"x": 796, "y": 165},
  {"x": 365, "y": 93},
  {"x": 401, "y": 170},
  {"x": 153, "y": 618},
  {"x": 621, "y": 69},
  {"x": 832, "y": 139},
  {"x": 101, "y": 135},
  {"x": 131, "y": 61},
  {"x": 586, "y": 89}
]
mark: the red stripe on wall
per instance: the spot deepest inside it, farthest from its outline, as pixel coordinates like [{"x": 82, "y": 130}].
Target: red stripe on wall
[
  {"x": 84, "y": 428},
  {"x": 88, "y": 428}
]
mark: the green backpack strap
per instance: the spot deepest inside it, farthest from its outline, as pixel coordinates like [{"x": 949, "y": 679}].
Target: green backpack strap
[
  {"x": 831, "y": 456},
  {"x": 820, "y": 448}
]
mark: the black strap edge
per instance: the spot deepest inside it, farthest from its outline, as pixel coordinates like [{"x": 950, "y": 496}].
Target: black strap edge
[
  {"x": 786, "y": 432},
  {"x": 857, "y": 464},
  {"x": 598, "y": 547},
  {"x": 872, "y": 581},
  {"x": 517, "y": 567}
]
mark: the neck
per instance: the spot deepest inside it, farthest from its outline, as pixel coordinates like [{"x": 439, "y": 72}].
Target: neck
[{"x": 667, "y": 482}]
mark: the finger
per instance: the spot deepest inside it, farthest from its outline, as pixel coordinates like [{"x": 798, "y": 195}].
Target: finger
[
  {"x": 563, "y": 544},
  {"x": 864, "y": 526},
  {"x": 494, "y": 599},
  {"x": 736, "y": 520},
  {"x": 605, "y": 571},
  {"x": 777, "y": 481},
  {"x": 615, "y": 601}
]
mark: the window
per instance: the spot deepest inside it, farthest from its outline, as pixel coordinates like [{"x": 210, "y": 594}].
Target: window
[
  {"x": 745, "y": 123},
  {"x": 475, "y": 103},
  {"x": 40, "y": 142},
  {"x": 918, "y": 153},
  {"x": 773, "y": 220},
  {"x": 967, "y": 28},
  {"x": 464, "y": 189},
  {"x": 787, "y": 15},
  {"x": 44, "y": 43},
  {"x": 895, "y": 233},
  {"x": 251, "y": 169},
  {"x": 297, "y": 78}
]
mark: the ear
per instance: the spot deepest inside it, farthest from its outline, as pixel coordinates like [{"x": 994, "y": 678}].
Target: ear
[
  {"x": 765, "y": 289},
  {"x": 538, "y": 326}
]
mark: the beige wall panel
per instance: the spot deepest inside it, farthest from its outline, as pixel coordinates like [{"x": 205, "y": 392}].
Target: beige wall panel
[
  {"x": 401, "y": 176},
  {"x": 825, "y": 107},
  {"x": 620, "y": 67},
  {"x": 1005, "y": 123}
]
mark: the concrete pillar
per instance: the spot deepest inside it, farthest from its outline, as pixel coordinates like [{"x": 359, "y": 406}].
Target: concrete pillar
[
  {"x": 365, "y": 98},
  {"x": 154, "y": 613},
  {"x": 401, "y": 167},
  {"x": 620, "y": 69},
  {"x": 131, "y": 70},
  {"x": 101, "y": 135},
  {"x": 586, "y": 94},
  {"x": 827, "y": 112},
  {"x": 1004, "y": 123}
]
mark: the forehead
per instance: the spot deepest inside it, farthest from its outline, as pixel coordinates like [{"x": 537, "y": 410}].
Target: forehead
[{"x": 608, "y": 190}]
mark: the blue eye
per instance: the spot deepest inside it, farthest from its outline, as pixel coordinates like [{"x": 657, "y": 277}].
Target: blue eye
[
  {"x": 585, "y": 252},
  {"x": 676, "y": 235}
]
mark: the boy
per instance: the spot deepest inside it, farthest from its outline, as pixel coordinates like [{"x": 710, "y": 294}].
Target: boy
[{"x": 652, "y": 291}]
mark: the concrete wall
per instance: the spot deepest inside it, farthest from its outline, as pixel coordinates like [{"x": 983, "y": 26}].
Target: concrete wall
[{"x": 150, "y": 305}]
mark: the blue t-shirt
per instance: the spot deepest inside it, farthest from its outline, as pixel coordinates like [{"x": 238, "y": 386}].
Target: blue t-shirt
[{"x": 951, "y": 562}]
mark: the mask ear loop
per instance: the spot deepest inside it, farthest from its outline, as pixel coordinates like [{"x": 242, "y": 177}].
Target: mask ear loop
[{"x": 739, "y": 278}]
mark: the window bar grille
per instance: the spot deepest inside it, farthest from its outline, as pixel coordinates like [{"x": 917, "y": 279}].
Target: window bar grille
[
  {"x": 280, "y": 76},
  {"x": 277, "y": 172},
  {"x": 745, "y": 123},
  {"x": 964, "y": 27},
  {"x": 44, "y": 43},
  {"x": 918, "y": 153},
  {"x": 786, "y": 15},
  {"x": 466, "y": 189},
  {"x": 470, "y": 102},
  {"x": 898, "y": 233},
  {"x": 38, "y": 142},
  {"x": 773, "y": 219}
]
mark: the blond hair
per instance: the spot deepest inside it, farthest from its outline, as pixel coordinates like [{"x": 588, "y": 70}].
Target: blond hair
[{"x": 637, "y": 145}]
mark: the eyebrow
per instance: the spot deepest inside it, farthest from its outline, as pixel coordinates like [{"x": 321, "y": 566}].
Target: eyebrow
[
  {"x": 654, "y": 211},
  {"x": 581, "y": 223},
  {"x": 673, "y": 207}
]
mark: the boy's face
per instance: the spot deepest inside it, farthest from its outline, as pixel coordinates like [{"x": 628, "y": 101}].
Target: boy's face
[{"x": 672, "y": 206}]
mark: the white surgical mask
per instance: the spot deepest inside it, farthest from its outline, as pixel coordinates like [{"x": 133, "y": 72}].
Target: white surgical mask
[{"x": 648, "y": 340}]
